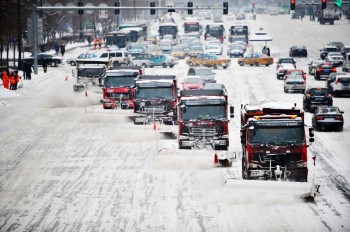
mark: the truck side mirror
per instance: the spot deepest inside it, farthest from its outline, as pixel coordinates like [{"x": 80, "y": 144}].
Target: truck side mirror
[
  {"x": 232, "y": 111},
  {"x": 311, "y": 132}
]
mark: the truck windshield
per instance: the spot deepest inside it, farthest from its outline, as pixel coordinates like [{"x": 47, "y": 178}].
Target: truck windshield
[
  {"x": 203, "y": 112},
  {"x": 277, "y": 135},
  {"x": 154, "y": 93},
  {"x": 119, "y": 81}
]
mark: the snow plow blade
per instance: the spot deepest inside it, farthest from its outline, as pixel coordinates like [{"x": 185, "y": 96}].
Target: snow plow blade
[{"x": 303, "y": 190}]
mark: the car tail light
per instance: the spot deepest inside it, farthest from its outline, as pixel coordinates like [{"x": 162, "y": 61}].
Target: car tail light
[
  {"x": 319, "y": 69},
  {"x": 329, "y": 95},
  {"x": 319, "y": 117},
  {"x": 334, "y": 70},
  {"x": 340, "y": 117},
  {"x": 308, "y": 95}
]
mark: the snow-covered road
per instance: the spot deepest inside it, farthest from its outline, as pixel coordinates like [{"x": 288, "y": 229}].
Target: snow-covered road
[{"x": 62, "y": 169}]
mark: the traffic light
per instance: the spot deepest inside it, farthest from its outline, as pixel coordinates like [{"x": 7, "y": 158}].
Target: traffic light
[
  {"x": 80, "y": 12},
  {"x": 153, "y": 4},
  {"x": 324, "y": 4},
  {"x": 190, "y": 11},
  {"x": 117, "y": 11},
  {"x": 225, "y": 6},
  {"x": 292, "y": 4}
]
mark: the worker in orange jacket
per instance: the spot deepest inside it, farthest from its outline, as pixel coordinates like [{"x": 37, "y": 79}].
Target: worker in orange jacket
[
  {"x": 17, "y": 78},
  {"x": 95, "y": 43},
  {"x": 5, "y": 79},
  {"x": 12, "y": 81}
]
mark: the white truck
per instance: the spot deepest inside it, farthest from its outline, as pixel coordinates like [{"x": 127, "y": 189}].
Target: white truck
[{"x": 327, "y": 16}]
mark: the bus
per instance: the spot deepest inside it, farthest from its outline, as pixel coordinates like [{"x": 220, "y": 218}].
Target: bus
[
  {"x": 136, "y": 34},
  {"x": 216, "y": 30},
  {"x": 168, "y": 29},
  {"x": 238, "y": 30},
  {"x": 192, "y": 26},
  {"x": 118, "y": 38},
  {"x": 142, "y": 24}
]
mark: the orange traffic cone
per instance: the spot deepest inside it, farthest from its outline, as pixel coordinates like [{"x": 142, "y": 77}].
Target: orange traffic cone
[{"x": 216, "y": 160}]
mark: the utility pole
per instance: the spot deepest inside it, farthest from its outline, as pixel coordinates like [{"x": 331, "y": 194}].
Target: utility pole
[{"x": 19, "y": 34}]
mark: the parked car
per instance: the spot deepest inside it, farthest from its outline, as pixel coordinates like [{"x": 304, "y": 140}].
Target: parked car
[
  {"x": 326, "y": 50},
  {"x": 336, "y": 58},
  {"x": 192, "y": 82},
  {"x": 205, "y": 73},
  {"x": 313, "y": 66},
  {"x": 341, "y": 85},
  {"x": 73, "y": 62},
  {"x": 298, "y": 50},
  {"x": 294, "y": 82},
  {"x": 283, "y": 69},
  {"x": 331, "y": 78},
  {"x": 52, "y": 60},
  {"x": 323, "y": 70},
  {"x": 235, "y": 50},
  {"x": 328, "y": 117},
  {"x": 255, "y": 59},
  {"x": 316, "y": 96}
]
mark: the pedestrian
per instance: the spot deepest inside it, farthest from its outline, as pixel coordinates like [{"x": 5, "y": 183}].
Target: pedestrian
[
  {"x": 263, "y": 51},
  {"x": 63, "y": 49},
  {"x": 17, "y": 79},
  {"x": 268, "y": 51},
  {"x": 99, "y": 43},
  {"x": 89, "y": 40},
  {"x": 24, "y": 69},
  {"x": 5, "y": 79},
  {"x": 45, "y": 61},
  {"x": 57, "y": 48},
  {"x": 12, "y": 81},
  {"x": 95, "y": 43},
  {"x": 28, "y": 70}
]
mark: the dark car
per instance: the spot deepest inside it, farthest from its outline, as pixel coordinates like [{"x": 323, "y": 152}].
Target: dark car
[
  {"x": 316, "y": 96},
  {"x": 326, "y": 50},
  {"x": 328, "y": 117},
  {"x": 331, "y": 78},
  {"x": 52, "y": 60},
  {"x": 298, "y": 50},
  {"x": 323, "y": 70}
]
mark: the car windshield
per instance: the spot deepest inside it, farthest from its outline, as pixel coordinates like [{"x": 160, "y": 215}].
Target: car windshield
[
  {"x": 277, "y": 135},
  {"x": 288, "y": 61},
  {"x": 319, "y": 91},
  {"x": 189, "y": 112},
  {"x": 295, "y": 76},
  {"x": 203, "y": 72}
]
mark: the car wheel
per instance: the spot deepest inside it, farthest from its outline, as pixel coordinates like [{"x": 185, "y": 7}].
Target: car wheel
[
  {"x": 241, "y": 63},
  {"x": 144, "y": 65},
  {"x": 190, "y": 63},
  {"x": 256, "y": 64},
  {"x": 72, "y": 63},
  {"x": 267, "y": 65},
  {"x": 53, "y": 64},
  {"x": 215, "y": 66},
  {"x": 164, "y": 65},
  {"x": 171, "y": 66},
  {"x": 340, "y": 128},
  {"x": 251, "y": 64},
  {"x": 224, "y": 67},
  {"x": 285, "y": 90}
]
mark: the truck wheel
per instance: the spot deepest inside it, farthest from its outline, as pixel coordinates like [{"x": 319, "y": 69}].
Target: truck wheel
[{"x": 244, "y": 169}]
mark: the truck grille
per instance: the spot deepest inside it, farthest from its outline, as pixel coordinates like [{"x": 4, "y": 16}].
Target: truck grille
[
  {"x": 157, "y": 109},
  {"x": 277, "y": 159},
  {"x": 200, "y": 131}
]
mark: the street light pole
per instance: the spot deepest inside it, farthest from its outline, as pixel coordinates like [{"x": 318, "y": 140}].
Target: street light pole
[{"x": 19, "y": 34}]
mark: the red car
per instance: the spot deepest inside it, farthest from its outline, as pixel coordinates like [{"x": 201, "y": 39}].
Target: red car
[
  {"x": 193, "y": 82},
  {"x": 296, "y": 71}
]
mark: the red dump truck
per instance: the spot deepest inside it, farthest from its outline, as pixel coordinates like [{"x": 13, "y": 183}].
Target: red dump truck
[
  {"x": 118, "y": 87},
  {"x": 274, "y": 142},
  {"x": 155, "y": 99},
  {"x": 203, "y": 119}
]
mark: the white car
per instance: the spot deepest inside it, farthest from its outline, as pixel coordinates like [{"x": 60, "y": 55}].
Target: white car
[
  {"x": 283, "y": 68},
  {"x": 341, "y": 85},
  {"x": 214, "y": 49},
  {"x": 294, "y": 82},
  {"x": 335, "y": 58}
]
